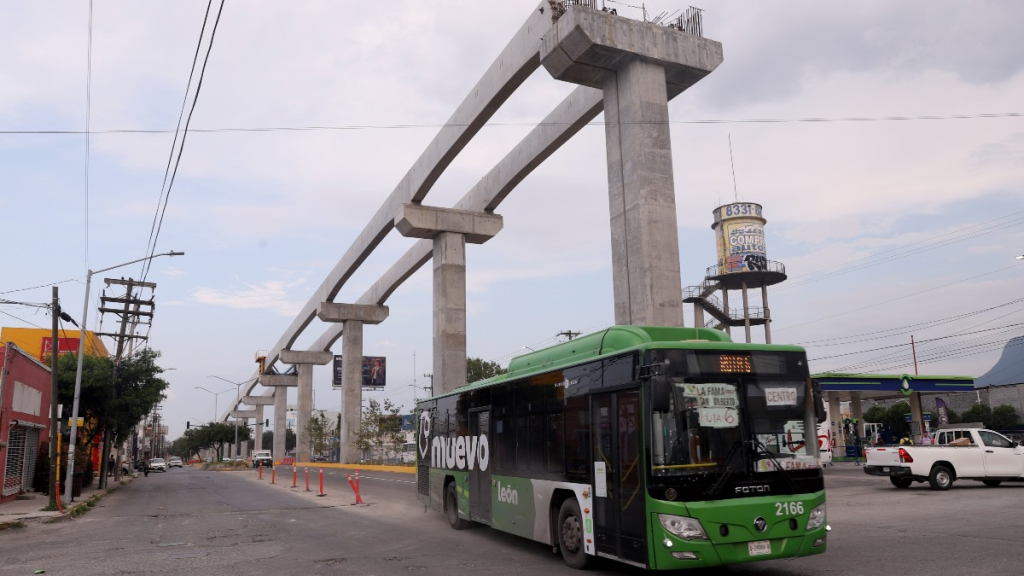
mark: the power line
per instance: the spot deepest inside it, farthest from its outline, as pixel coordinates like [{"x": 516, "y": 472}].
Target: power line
[
  {"x": 845, "y": 268},
  {"x": 354, "y": 127},
  {"x": 924, "y": 341},
  {"x": 174, "y": 143},
  {"x": 40, "y": 286},
  {"x": 904, "y": 297},
  {"x": 20, "y": 319}
]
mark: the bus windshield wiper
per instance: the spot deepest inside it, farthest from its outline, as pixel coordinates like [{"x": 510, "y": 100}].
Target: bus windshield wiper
[
  {"x": 771, "y": 458},
  {"x": 724, "y": 478}
]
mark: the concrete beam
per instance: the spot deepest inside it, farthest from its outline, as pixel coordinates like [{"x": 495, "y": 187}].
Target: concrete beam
[
  {"x": 364, "y": 313},
  {"x": 588, "y": 46},
  {"x": 306, "y": 357},
  {"x": 243, "y": 414},
  {"x": 417, "y": 221},
  {"x": 279, "y": 380},
  {"x": 258, "y": 400}
]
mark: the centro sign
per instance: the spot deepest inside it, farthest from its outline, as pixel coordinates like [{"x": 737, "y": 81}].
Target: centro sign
[{"x": 460, "y": 453}]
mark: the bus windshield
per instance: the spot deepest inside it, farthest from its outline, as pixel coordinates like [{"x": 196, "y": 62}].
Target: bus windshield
[{"x": 745, "y": 411}]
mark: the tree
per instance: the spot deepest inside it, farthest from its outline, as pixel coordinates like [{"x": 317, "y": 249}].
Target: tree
[
  {"x": 320, "y": 430},
  {"x": 380, "y": 431},
  {"x": 478, "y": 369},
  {"x": 137, "y": 390},
  {"x": 978, "y": 413},
  {"x": 289, "y": 441},
  {"x": 1004, "y": 417}
]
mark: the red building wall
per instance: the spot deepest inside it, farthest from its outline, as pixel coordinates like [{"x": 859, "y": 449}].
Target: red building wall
[{"x": 24, "y": 403}]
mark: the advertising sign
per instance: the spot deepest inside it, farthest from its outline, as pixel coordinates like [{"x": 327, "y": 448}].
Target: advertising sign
[
  {"x": 336, "y": 380},
  {"x": 374, "y": 372},
  {"x": 64, "y": 346}
]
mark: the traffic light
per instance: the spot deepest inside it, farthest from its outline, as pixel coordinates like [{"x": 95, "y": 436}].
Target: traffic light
[
  {"x": 267, "y": 423},
  {"x": 187, "y": 425}
]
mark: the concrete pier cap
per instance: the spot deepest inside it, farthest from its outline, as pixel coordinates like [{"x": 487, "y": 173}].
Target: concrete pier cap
[
  {"x": 243, "y": 414},
  {"x": 258, "y": 400},
  {"x": 272, "y": 380},
  {"x": 586, "y": 46},
  {"x": 418, "y": 221},
  {"x": 365, "y": 313},
  {"x": 317, "y": 357}
]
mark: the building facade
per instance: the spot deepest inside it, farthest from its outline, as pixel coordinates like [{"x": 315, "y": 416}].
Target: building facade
[{"x": 24, "y": 419}]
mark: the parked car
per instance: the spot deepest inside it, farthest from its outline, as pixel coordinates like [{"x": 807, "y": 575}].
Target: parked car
[
  {"x": 174, "y": 461},
  {"x": 319, "y": 458},
  {"x": 157, "y": 464}
]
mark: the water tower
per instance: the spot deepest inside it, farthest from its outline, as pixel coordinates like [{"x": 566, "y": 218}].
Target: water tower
[{"x": 743, "y": 265}]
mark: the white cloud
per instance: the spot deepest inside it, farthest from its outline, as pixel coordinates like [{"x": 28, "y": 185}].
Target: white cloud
[{"x": 270, "y": 295}]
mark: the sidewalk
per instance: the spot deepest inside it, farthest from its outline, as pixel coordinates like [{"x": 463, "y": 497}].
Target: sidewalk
[{"x": 31, "y": 508}]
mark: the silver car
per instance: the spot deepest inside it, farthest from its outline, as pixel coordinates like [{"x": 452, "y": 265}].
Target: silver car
[
  {"x": 174, "y": 462},
  {"x": 158, "y": 464}
]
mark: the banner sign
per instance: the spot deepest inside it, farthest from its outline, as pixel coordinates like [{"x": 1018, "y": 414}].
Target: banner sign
[
  {"x": 940, "y": 407},
  {"x": 65, "y": 346},
  {"x": 336, "y": 381}
]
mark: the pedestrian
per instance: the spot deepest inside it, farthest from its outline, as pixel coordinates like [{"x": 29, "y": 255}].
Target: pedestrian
[{"x": 145, "y": 468}]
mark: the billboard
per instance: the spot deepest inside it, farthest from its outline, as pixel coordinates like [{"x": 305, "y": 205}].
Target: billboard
[
  {"x": 739, "y": 236},
  {"x": 374, "y": 372}
]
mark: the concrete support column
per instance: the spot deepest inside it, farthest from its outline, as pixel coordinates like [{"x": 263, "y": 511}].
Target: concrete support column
[
  {"x": 450, "y": 230},
  {"x": 641, "y": 195},
  {"x": 767, "y": 315},
  {"x": 698, "y": 315},
  {"x": 258, "y": 429},
  {"x": 353, "y": 317},
  {"x": 280, "y": 422},
  {"x": 637, "y": 66},
  {"x": 916, "y": 415},
  {"x": 857, "y": 412},
  {"x": 746, "y": 312},
  {"x": 449, "y": 311},
  {"x": 728, "y": 313},
  {"x": 351, "y": 389},
  {"x": 303, "y": 412},
  {"x": 836, "y": 435}
]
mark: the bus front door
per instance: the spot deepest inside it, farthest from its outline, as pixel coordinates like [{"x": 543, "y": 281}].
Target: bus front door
[
  {"x": 619, "y": 526},
  {"x": 480, "y": 480}
]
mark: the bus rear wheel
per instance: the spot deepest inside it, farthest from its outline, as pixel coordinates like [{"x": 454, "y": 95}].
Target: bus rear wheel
[
  {"x": 451, "y": 508},
  {"x": 570, "y": 535}
]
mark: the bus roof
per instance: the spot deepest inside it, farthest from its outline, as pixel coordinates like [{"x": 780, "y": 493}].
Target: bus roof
[{"x": 610, "y": 342}]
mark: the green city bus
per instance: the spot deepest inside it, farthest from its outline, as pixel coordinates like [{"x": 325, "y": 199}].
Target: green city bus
[{"x": 663, "y": 448}]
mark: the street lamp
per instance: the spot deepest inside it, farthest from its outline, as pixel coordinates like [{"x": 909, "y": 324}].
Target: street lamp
[
  {"x": 78, "y": 372},
  {"x": 215, "y": 395},
  {"x": 238, "y": 399}
]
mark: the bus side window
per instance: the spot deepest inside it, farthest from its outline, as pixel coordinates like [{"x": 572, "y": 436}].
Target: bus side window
[{"x": 577, "y": 437}]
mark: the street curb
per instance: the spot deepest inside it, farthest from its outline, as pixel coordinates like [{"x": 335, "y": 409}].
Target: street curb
[
  {"x": 361, "y": 467},
  {"x": 49, "y": 517}
]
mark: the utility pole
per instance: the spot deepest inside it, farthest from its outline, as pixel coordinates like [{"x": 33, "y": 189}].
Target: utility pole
[
  {"x": 127, "y": 314},
  {"x": 54, "y": 417}
]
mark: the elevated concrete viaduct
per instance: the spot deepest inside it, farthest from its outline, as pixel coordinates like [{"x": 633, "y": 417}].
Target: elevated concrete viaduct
[{"x": 652, "y": 65}]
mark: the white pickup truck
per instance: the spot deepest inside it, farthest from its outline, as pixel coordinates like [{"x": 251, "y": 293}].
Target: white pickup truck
[{"x": 958, "y": 453}]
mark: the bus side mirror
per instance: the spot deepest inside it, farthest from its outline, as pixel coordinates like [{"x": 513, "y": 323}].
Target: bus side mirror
[
  {"x": 819, "y": 401},
  {"x": 661, "y": 396}
]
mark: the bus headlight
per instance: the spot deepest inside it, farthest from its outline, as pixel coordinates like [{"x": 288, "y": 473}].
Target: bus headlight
[
  {"x": 817, "y": 517},
  {"x": 683, "y": 527}
]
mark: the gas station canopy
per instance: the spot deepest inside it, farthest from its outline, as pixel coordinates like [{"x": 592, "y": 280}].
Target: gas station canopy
[{"x": 886, "y": 386}]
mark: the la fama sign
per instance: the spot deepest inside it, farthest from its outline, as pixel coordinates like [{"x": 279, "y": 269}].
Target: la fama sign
[{"x": 458, "y": 453}]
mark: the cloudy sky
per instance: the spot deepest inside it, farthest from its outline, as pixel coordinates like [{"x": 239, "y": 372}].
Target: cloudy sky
[{"x": 888, "y": 228}]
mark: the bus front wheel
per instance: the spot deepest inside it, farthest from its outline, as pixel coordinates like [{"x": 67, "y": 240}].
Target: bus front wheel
[
  {"x": 570, "y": 535},
  {"x": 451, "y": 508}
]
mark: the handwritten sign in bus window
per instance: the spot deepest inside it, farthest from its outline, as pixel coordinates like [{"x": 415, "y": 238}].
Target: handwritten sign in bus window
[
  {"x": 717, "y": 404},
  {"x": 780, "y": 396}
]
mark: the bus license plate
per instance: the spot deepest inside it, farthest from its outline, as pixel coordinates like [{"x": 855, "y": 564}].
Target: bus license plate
[
  {"x": 759, "y": 548},
  {"x": 885, "y": 469}
]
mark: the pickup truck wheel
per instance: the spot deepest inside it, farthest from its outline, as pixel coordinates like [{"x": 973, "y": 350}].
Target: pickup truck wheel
[
  {"x": 901, "y": 482},
  {"x": 941, "y": 478},
  {"x": 991, "y": 483}
]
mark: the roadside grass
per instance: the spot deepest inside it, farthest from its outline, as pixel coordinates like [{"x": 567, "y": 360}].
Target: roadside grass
[{"x": 12, "y": 525}]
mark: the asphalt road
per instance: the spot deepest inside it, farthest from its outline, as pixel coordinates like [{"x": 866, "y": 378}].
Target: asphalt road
[{"x": 197, "y": 522}]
